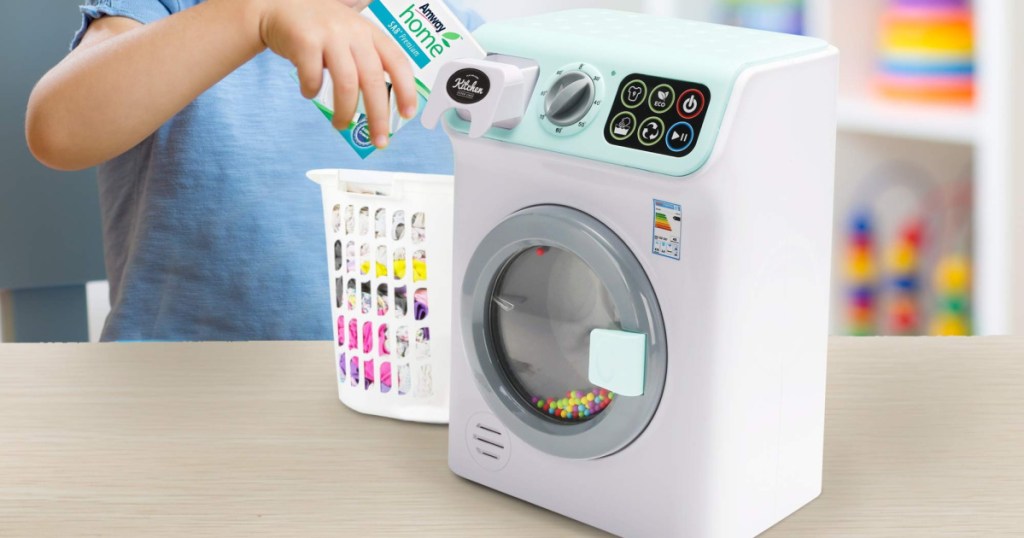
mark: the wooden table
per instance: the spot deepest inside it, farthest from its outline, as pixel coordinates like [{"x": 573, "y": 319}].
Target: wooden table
[{"x": 924, "y": 437}]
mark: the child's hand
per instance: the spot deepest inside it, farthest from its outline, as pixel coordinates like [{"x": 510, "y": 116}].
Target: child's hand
[{"x": 318, "y": 34}]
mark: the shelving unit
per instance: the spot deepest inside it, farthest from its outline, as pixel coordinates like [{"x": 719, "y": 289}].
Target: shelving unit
[
  {"x": 981, "y": 140},
  {"x": 868, "y": 115},
  {"x": 982, "y": 133}
]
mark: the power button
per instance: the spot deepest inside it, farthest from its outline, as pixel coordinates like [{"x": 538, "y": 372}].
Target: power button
[{"x": 690, "y": 104}]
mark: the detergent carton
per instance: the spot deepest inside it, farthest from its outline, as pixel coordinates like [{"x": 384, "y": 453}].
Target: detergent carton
[{"x": 430, "y": 34}]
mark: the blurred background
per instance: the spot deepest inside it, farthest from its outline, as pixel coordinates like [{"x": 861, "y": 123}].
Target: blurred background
[{"x": 928, "y": 232}]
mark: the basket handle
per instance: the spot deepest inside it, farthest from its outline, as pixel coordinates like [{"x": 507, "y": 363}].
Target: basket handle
[
  {"x": 371, "y": 188},
  {"x": 366, "y": 187}
]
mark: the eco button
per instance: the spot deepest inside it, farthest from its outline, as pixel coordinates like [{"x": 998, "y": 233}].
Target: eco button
[
  {"x": 623, "y": 125},
  {"x": 633, "y": 93},
  {"x": 662, "y": 99}
]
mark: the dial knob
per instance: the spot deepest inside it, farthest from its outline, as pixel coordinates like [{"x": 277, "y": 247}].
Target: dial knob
[{"x": 569, "y": 98}]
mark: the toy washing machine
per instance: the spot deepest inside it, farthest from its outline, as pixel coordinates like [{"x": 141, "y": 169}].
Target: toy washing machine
[{"x": 643, "y": 216}]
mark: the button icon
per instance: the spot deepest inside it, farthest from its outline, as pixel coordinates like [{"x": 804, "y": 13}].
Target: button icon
[
  {"x": 633, "y": 93},
  {"x": 622, "y": 126},
  {"x": 662, "y": 98},
  {"x": 651, "y": 130},
  {"x": 679, "y": 137},
  {"x": 691, "y": 104}
]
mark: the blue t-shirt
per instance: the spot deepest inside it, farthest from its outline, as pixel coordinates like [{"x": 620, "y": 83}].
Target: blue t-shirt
[{"x": 211, "y": 230}]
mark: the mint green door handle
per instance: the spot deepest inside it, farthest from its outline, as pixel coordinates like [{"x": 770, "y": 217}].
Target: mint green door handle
[{"x": 618, "y": 360}]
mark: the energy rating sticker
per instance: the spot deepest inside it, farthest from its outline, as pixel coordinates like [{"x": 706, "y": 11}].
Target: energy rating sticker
[{"x": 667, "y": 229}]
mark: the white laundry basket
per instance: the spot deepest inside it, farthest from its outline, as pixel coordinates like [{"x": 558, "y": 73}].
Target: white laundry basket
[{"x": 389, "y": 250}]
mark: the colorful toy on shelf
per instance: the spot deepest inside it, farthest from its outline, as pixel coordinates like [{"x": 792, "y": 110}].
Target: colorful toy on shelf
[
  {"x": 860, "y": 270},
  {"x": 922, "y": 225},
  {"x": 903, "y": 267},
  {"x": 952, "y": 291},
  {"x": 927, "y": 51},
  {"x": 785, "y": 16}
]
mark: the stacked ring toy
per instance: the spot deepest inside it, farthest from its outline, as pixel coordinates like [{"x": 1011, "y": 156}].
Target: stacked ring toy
[
  {"x": 952, "y": 290},
  {"x": 927, "y": 51},
  {"x": 860, "y": 272},
  {"x": 903, "y": 264}
]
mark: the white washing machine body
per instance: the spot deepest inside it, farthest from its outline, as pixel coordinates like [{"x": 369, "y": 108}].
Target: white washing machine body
[{"x": 715, "y": 263}]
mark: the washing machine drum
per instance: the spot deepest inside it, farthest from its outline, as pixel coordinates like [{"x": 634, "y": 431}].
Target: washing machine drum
[{"x": 564, "y": 332}]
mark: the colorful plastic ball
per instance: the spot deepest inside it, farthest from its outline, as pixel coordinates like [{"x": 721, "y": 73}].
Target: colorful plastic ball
[
  {"x": 861, "y": 222},
  {"x": 903, "y": 315},
  {"x": 862, "y": 296},
  {"x": 902, "y": 257},
  {"x": 950, "y": 325},
  {"x": 953, "y": 275},
  {"x": 860, "y": 315},
  {"x": 860, "y": 268},
  {"x": 906, "y": 283},
  {"x": 955, "y": 304},
  {"x": 913, "y": 234},
  {"x": 862, "y": 331},
  {"x": 577, "y": 405}
]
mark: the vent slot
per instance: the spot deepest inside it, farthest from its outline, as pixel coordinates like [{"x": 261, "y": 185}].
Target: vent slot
[
  {"x": 488, "y": 442},
  {"x": 489, "y": 430}
]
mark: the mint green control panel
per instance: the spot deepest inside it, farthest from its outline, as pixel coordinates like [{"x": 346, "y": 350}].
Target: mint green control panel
[{"x": 630, "y": 89}]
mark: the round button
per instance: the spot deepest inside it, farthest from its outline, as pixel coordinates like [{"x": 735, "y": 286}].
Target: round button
[
  {"x": 569, "y": 99},
  {"x": 623, "y": 125},
  {"x": 662, "y": 98},
  {"x": 691, "y": 104},
  {"x": 633, "y": 93},
  {"x": 651, "y": 131},
  {"x": 679, "y": 137}
]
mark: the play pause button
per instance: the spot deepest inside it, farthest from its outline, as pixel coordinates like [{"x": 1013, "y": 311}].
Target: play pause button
[{"x": 679, "y": 137}]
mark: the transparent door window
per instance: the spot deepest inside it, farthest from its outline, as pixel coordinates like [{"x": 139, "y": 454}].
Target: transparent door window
[{"x": 544, "y": 306}]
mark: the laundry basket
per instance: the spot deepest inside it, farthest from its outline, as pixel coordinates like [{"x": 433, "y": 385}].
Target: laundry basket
[{"x": 389, "y": 249}]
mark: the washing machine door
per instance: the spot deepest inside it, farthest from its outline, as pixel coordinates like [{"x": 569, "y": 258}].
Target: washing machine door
[{"x": 564, "y": 332}]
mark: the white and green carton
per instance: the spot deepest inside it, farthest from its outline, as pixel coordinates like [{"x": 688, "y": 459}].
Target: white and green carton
[{"x": 430, "y": 34}]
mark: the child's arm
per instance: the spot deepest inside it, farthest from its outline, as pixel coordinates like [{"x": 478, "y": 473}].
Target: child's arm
[{"x": 127, "y": 79}]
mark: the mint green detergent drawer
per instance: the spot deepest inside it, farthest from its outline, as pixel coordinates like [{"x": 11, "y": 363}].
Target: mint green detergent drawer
[{"x": 614, "y": 47}]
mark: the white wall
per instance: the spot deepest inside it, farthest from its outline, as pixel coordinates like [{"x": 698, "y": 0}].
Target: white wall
[{"x": 1017, "y": 267}]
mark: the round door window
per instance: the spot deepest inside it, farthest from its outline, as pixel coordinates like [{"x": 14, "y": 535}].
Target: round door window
[
  {"x": 545, "y": 305},
  {"x": 564, "y": 332}
]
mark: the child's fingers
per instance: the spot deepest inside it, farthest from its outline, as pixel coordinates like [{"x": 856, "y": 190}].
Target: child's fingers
[
  {"x": 375, "y": 91},
  {"x": 310, "y": 65},
  {"x": 396, "y": 63},
  {"x": 346, "y": 84}
]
